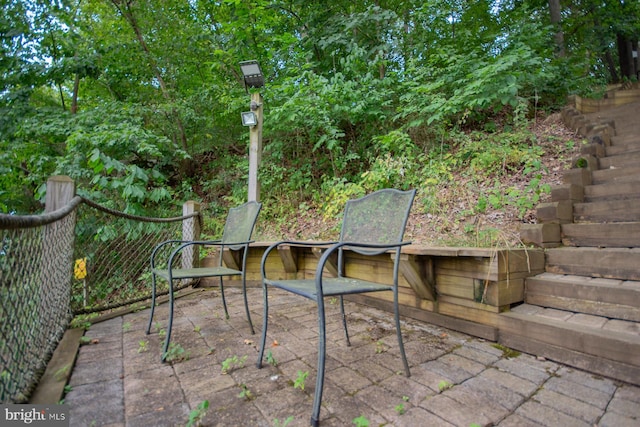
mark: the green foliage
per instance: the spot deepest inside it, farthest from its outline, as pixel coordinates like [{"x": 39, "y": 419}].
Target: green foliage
[
  {"x": 471, "y": 82},
  {"x": 300, "y": 380},
  {"x": 197, "y": 414},
  {"x": 444, "y": 385},
  {"x": 389, "y": 172},
  {"x": 506, "y": 351},
  {"x": 271, "y": 360},
  {"x": 245, "y": 393},
  {"x": 176, "y": 353},
  {"x": 277, "y": 423},
  {"x": 358, "y": 97},
  {"x": 233, "y": 362},
  {"x": 337, "y": 193},
  {"x": 361, "y": 421},
  {"x": 83, "y": 321}
]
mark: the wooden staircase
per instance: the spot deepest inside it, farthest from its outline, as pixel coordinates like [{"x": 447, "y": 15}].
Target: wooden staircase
[{"x": 584, "y": 310}]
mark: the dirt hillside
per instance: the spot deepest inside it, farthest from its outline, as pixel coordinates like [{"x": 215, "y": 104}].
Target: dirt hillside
[{"x": 454, "y": 224}]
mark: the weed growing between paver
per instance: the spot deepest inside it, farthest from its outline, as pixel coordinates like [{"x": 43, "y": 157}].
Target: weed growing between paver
[
  {"x": 361, "y": 421},
  {"x": 245, "y": 393},
  {"x": 277, "y": 423},
  {"x": 196, "y": 415},
  {"x": 233, "y": 362},
  {"x": 506, "y": 351},
  {"x": 176, "y": 353},
  {"x": 300, "y": 380},
  {"x": 271, "y": 360},
  {"x": 444, "y": 385}
]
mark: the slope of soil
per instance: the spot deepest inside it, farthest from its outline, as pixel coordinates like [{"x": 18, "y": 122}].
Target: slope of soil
[{"x": 455, "y": 221}]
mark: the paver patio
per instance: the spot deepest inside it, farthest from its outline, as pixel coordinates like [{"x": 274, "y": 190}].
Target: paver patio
[{"x": 456, "y": 380}]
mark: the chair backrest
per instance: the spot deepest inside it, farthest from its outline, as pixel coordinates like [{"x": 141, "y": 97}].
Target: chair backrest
[
  {"x": 240, "y": 223},
  {"x": 378, "y": 218}
]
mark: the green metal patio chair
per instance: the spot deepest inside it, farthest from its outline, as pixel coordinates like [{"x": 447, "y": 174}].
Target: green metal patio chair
[
  {"x": 236, "y": 236},
  {"x": 372, "y": 225}
]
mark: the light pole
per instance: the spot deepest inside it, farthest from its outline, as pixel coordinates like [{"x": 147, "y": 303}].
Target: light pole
[{"x": 253, "y": 78}]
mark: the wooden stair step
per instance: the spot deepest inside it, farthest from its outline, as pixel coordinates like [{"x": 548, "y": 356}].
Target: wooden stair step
[
  {"x": 621, "y": 149},
  {"x": 619, "y": 161},
  {"x": 613, "y": 191},
  {"x": 608, "y": 347},
  {"x": 628, "y": 138},
  {"x": 611, "y": 298},
  {"x": 602, "y": 176},
  {"x": 610, "y": 235},
  {"x": 613, "y": 263},
  {"x": 627, "y": 210}
]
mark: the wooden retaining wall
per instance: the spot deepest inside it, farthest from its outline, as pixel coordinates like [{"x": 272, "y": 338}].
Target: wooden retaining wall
[
  {"x": 463, "y": 289},
  {"x": 614, "y": 97}
]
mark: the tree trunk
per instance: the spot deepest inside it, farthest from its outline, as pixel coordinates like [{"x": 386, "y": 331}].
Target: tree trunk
[
  {"x": 625, "y": 56},
  {"x": 611, "y": 65},
  {"x": 556, "y": 18},
  {"x": 74, "y": 96}
]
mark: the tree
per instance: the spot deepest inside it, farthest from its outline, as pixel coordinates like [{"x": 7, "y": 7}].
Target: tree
[
  {"x": 555, "y": 12},
  {"x": 125, "y": 94}
]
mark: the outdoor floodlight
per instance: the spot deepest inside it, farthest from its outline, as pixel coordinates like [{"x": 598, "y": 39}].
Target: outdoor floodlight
[
  {"x": 249, "y": 118},
  {"x": 252, "y": 74}
]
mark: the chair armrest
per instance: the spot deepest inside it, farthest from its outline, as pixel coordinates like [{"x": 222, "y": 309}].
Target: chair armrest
[
  {"x": 181, "y": 245},
  {"x": 376, "y": 249}
]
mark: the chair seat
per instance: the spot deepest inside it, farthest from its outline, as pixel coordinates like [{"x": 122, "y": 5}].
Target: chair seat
[
  {"x": 330, "y": 286},
  {"x": 193, "y": 273}
]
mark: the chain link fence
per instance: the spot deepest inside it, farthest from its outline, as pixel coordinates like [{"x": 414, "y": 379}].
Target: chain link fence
[
  {"x": 83, "y": 258},
  {"x": 35, "y": 281},
  {"x": 111, "y": 257}
]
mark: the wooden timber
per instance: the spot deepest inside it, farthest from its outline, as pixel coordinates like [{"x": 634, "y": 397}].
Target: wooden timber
[
  {"x": 613, "y": 98},
  {"x": 610, "y": 298},
  {"x": 465, "y": 289},
  {"x": 612, "y": 263},
  {"x": 616, "y": 234},
  {"x": 586, "y": 342},
  {"x": 585, "y": 309}
]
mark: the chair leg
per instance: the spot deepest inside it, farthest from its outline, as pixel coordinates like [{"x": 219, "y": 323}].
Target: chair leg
[
  {"x": 224, "y": 300},
  {"x": 246, "y": 303},
  {"x": 165, "y": 349},
  {"x": 153, "y": 301},
  {"x": 344, "y": 321},
  {"x": 322, "y": 338},
  {"x": 399, "y": 334},
  {"x": 265, "y": 319}
]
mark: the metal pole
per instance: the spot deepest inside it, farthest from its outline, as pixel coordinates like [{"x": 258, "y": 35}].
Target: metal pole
[{"x": 255, "y": 149}]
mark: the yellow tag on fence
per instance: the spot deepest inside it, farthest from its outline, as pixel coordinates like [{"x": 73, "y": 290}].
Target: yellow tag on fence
[{"x": 80, "y": 268}]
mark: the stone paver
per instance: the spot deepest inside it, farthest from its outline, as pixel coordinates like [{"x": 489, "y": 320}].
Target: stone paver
[{"x": 456, "y": 380}]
